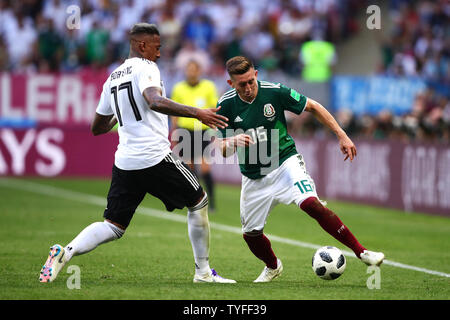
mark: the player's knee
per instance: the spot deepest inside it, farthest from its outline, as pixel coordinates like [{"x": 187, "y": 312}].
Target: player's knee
[
  {"x": 313, "y": 207},
  {"x": 117, "y": 229},
  {"x": 198, "y": 215},
  {"x": 253, "y": 233},
  {"x": 309, "y": 203},
  {"x": 201, "y": 203}
]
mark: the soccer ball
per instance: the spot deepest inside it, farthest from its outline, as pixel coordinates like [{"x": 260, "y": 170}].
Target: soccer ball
[{"x": 328, "y": 263}]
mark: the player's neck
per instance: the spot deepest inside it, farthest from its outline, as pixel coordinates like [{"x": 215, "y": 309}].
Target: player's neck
[
  {"x": 193, "y": 83},
  {"x": 134, "y": 54}
]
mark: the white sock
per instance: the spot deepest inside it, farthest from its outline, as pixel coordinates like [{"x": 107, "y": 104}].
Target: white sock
[
  {"x": 198, "y": 229},
  {"x": 91, "y": 237}
]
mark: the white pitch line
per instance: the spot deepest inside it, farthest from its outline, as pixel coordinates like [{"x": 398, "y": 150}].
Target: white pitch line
[{"x": 99, "y": 201}]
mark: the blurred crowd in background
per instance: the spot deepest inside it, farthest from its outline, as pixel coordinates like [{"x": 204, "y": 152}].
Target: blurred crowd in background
[
  {"x": 34, "y": 37},
  {"x": 268, "y": 31},
  {"x": 419, "y": 44},
  {"x": 428, "y": 121}
]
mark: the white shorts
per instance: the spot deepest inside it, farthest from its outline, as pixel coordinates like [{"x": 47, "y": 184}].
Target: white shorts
[{"x": 290, "y": 183}]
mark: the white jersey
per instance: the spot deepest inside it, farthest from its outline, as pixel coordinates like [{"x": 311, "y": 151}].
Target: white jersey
[{"x": 143, "y": 133}]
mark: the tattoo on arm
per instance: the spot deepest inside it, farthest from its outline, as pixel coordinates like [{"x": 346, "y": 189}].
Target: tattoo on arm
[
  {"x": 167, "y": 106},
  {"x": 102, "y": 124}
]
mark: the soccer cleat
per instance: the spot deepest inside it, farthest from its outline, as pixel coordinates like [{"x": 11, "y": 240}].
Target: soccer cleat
[
  {"x": 372, "y": 258},
  {"x": 269, "y": 274},
  {"x": 55, "y": 262},
  {"x": 211, "y": 277}
]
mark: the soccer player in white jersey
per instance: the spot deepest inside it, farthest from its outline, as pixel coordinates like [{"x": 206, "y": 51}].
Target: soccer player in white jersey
[
  {"x": 256, "y": 112},
  {"x": 134, "y": 96}
]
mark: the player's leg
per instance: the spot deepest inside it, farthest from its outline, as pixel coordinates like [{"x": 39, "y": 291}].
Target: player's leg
[
  {"x": 255, "y": 205},
  {"x": 180, "y": 188},
  {"x": 331, "y": 223},
  {"x": 87, "y": 240},
  {"x": 261, "y": 247},
  {"x": 123, "y": 199},
  {"x": 92, "y": 236},
  {"x": 303, "y": 191},
  {"x": 207, "y": 177},
  {"x": 199, "y": 233},
  {"x": 205, "y": 169},
  {"x": 124, "y": 196}
]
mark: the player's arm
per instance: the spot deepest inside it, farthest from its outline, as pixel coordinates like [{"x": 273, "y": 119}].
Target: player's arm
[
  {"x": 320, "y": 113},
  {"x": 164, "y": 105},
  {"x": 228, "y": 145},
  {"x": 177, "y": 97},
  {"x": 102, "y": 124}
]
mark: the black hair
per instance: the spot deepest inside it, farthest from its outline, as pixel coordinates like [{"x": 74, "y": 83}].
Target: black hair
[{"x": 144, "y": 28}]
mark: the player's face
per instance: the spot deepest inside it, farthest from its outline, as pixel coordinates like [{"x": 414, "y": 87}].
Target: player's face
[
  {"x": 150, "y": 47},
  {"x": 245, "y": 84},
  {"x": 193, "y": 72}
]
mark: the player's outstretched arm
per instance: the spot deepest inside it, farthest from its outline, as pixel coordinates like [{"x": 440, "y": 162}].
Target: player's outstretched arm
[
  {"x": 167, "y": 106},
  {"x": 320, "y": 113},
  {"x": 102, "y": 124}
]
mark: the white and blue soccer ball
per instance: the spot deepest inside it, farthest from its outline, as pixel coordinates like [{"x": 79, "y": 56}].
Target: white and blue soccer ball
[{"x": 328, "y": 263}]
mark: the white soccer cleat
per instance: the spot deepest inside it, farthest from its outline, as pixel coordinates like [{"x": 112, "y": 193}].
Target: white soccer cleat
[
  {"x": 372, "y": 258},
  {"x": 55, "y": 262},
  {"x": 211, "y": 277},
  {"x": 269, "y": 274}
]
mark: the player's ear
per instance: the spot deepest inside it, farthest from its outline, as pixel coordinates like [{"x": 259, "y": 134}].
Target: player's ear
[
  {"x": 256, "y": 73},
  {"x": 141, "y": 46},
  {"x": 230, "y": 83}
]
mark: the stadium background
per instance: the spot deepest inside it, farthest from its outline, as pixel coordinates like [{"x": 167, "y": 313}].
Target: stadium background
[{"x": 389, "y": 89}]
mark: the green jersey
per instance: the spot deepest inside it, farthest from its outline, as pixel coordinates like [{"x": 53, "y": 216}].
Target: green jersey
[{"x": 264, "y": 120}]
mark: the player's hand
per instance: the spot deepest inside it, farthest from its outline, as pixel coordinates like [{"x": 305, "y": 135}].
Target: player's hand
[
  {"x": 347, "y": 148},
  {"x": 229, "y": 145},
  {"x": 241, "y": 140},
  {"x": 211, "y": 119}
]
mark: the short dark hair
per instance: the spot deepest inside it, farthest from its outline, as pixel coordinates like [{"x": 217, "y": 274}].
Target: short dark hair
[
  {"x": 144, "y": 28},
  {"x": 238, "y": 65}
]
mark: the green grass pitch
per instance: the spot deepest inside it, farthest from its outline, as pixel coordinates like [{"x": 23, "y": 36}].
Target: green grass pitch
[{"x": 154, "y": 258}]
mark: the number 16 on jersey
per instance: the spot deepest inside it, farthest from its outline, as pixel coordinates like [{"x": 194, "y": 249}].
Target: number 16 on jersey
[{"x": 304, "y": 186}]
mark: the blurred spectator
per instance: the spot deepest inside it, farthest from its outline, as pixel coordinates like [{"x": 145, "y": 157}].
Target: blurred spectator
[
  {"x": 257, "y": 43},
  {"x": 276, "y": 34},
  {"x": 347, "y": 120},
  {"x": 219, "y": 9},
  {"x": 56, "y": 11},
  {"x": 199, "y": 30},
  {"x": 232, "y": 47},
  {"x": 170, "y": 28},
  {"x": 384, "y": 125},
  {"x": 129, "y": 11},
  {"x": 427, "y": 121},
  {"x": 4, "y": 59},
  {"x": 317, "y": 57},
  {"x": 20, "y": 37},
  {"x": 270, "y": 31},
  {"x": 97, "y": 41},
  {"x": 73, "y": 51},
  {"x": 50, "y": 44},
  {"x": 189, "y": 51},
  {"x": 295, "y": 23},
  {"x": 419, "y": 41}
]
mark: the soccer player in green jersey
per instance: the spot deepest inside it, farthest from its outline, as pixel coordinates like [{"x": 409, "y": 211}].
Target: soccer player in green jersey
[{"x": 273, "y": 171}]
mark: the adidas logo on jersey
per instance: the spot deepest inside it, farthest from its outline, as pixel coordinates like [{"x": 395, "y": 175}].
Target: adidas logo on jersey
[{"x": 238, "y": 119}]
